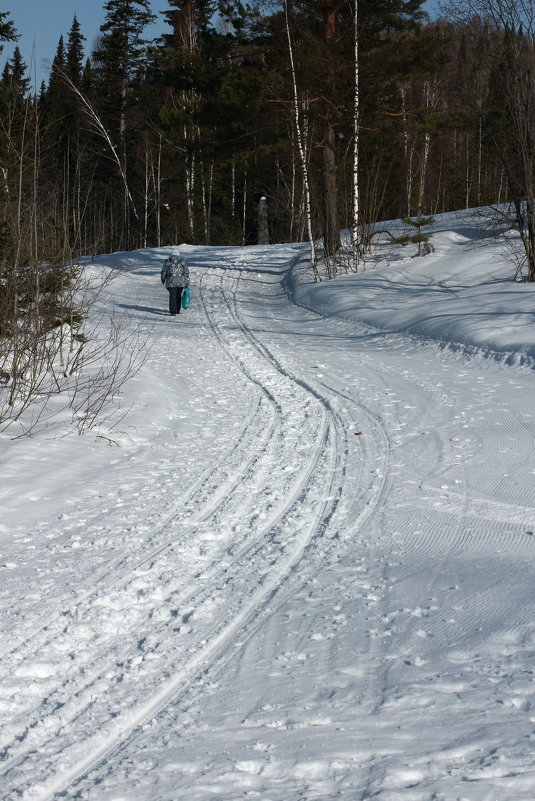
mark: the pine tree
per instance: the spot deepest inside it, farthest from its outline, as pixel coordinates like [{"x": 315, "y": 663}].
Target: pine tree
[
  {"x": 420, "y": 239},
  {"x": 325, "y": 34},
  {"x": 120, "y": 56},
  {"x": 190, "y": 21}
]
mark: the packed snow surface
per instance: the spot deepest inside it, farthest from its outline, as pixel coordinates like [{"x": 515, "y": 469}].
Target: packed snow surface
[{"x": 302, "y": 566}]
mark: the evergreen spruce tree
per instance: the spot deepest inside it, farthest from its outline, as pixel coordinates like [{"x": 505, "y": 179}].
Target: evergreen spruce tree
[
  {"x": 7, "y": 34},
  {"x": 119, "y": 64},
  {"x": 7, "y": 29},
  {"x": 58, "y": 64},
  {"x": 64, "y": 137},
  {"x": 86, "y": 83},
  {"x": 56, "y": 82},
  {"x": 19, "y": 83},
  {"x": 15, "y": 95},
  {"x": 75, "y": 53},
  {"x": 201, "y": 125},
  {"x": 215, "y": 95},
  {"x": 120, "y": 56}
]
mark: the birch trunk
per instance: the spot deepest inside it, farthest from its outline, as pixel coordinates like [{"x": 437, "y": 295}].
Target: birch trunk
[
  {"x": 430, "y": 99},
  {"x": 244, "y": 215},
  {"x": 300, "y": 147},
  {"x": 146, "y": 199},
  {"x": 355, "y": 244},
  {"x": 408, "y": 150},
  {"x": 159, "y": 195}
]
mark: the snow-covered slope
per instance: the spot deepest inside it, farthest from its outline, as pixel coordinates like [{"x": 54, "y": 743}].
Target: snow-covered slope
[
  {"x": 307, "y": 573},
  {"x": 463, "y": 294}
]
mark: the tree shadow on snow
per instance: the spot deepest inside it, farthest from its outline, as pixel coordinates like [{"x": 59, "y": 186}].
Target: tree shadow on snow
[{"x": 133, "y": 307}]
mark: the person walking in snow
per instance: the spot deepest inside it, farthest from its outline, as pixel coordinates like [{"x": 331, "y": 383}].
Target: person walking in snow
[{"x": 175, "y": 276}]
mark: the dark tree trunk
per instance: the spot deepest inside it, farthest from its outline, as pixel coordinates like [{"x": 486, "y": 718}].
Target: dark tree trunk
[
  {"x": 331, "y": 227},
  {"x": 330, "y": 192},
  {"x": 263, "y": 230}
]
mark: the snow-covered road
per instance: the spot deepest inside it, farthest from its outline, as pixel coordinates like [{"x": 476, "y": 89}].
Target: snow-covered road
[{"x": 308, "y": 574}]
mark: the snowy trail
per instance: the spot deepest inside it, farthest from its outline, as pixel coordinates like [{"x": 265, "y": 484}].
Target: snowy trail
[
  {"x": 371, "y": 677},
  {"x": 337, "y": 600},
  {"x": 274, "y": 534}
]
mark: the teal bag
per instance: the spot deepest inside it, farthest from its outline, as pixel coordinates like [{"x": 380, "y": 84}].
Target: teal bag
[{"x": 185, "y": 298}]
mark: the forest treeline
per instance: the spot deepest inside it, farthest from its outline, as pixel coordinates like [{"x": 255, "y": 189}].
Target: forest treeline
[
  {"x": 140, "y": 143},
  {"x": 276, "y": 121}
]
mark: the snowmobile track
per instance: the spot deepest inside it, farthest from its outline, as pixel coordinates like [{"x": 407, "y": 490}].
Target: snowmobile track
[
  {"x": 277, "y": 546},
  {"x": 272, "y": 595}
]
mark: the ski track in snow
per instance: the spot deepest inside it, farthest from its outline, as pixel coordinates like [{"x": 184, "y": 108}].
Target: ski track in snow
[
  {"x": 275, "y": 544},
  {"x": 319, "y": 613}
]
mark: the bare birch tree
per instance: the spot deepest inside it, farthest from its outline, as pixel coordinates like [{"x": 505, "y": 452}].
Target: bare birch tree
[
  {"x": 355, "y": 243},
  {"x": 301, "y": 149}
]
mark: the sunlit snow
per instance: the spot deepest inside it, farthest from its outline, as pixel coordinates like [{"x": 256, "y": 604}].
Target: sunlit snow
[{"x": 302, "y": 566}]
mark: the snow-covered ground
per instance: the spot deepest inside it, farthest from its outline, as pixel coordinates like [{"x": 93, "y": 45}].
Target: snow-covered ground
[{"x": 308, "y": 570}]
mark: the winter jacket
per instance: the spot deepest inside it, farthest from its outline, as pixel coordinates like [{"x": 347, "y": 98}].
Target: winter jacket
[{"x": 175, "y": 272}]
